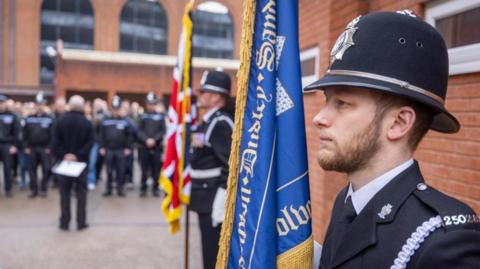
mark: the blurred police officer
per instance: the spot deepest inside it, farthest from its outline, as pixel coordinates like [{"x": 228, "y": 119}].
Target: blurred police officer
[
  {"x": 209, "y": 158},
  {"x": 72, "y": 140},
  {"x": 151, "y": 129},
  {"x": 9, "y": 142},
  {"x": 95, "y": 161},
  {"x": 37, "y": 134},
  {"x": 385, "y": 89},
  {"x": 60, "y": 107},
  {"x": 116, "y": 139}
]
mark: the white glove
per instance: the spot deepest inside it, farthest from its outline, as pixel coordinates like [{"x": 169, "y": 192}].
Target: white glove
[
  {"x": 218, "y": 209},
  {"x": 317, "y": 254}
]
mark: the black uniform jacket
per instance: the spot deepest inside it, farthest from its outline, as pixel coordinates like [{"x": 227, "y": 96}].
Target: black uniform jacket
[
  {"x": 209, "y": 160},
  {"x": 151, "y": 125},
  {"x": 374, "y": 242},
  {"x": 72, "y": 133},
  {"x": 116, "y": 133},
  {"x": 9, "y": 128},
  {"x": 37, "y": 131}
]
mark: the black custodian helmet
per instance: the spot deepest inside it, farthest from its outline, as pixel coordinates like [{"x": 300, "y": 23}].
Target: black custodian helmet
[
  {"x": 151, "y": 98},
  {"x": 40, "y": 98},
  {"x": 215, "y": 81},
  {"x": 116, "y": 102},
  {"x": 393, "y": 52}
]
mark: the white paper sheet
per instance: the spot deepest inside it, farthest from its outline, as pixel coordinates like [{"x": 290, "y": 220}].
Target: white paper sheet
[{"x": 69, "y": 168}]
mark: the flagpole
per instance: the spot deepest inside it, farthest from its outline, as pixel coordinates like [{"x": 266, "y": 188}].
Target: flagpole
[
  {"x": 187, "y": 218},
  {"x": 186, "y": 237}
]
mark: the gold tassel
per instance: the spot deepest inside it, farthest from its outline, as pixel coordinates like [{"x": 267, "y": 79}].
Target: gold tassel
[{"x": 242, "y": 89}]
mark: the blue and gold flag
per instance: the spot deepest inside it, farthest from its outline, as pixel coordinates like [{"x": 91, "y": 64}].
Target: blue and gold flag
[{"x": 268, "y": 216}]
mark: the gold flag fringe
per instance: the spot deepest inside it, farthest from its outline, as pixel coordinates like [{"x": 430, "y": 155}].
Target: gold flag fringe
[
  {"x": 298, "y": 257},
  {"x": 242, "y": 90}
]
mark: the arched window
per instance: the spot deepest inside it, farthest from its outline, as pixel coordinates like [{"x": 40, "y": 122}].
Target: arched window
[
  {"x": 212, "y": 31},
  {"x": 143, "y": 27},
  {"x": 69, "y": 20}
]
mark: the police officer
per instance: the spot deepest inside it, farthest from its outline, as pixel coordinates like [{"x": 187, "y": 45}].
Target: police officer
[
  {"x": 37, "y": 134},
  {"x": 385, "y": 89},
  {"x": 151, "y": 129},
  {"x": 209, "y": 159},
  {"x": 116, "y": 139},
  {"x": 125, "y": 112},
  {"x": 9, "y": 142}
]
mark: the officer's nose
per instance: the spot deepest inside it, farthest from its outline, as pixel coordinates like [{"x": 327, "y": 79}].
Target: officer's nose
[{"x": 321, "y": 120}]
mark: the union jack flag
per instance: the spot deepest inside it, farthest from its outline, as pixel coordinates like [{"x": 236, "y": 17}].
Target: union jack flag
[{"x": 175, "y": 177}]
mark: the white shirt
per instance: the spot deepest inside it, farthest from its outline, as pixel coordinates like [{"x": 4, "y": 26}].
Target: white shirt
[{"x": 362, "y": 196}]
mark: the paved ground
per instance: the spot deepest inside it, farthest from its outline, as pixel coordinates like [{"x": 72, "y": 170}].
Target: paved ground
[{"x": 124, "y": 233}]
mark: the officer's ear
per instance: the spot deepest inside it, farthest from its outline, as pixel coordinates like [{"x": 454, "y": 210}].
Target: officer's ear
[
  {"x": 219, "y": 99},
  {"x": 401, "y": 121}
]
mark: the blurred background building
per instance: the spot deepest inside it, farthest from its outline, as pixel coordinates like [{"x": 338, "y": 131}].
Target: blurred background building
[
  {"x": 128, "y": 47},
  {"x": 100, "y": 48}
]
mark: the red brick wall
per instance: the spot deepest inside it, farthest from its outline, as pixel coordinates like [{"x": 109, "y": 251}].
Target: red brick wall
[
  {"x": 450, "y": 163},
  {"x": 314, "y": 27},
  {"x": 105, "y": 77}
]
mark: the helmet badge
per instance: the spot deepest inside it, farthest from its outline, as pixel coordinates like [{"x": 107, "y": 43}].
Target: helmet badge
[
  {"x": 407, "y": 12},
  {"x": 344, "y": 41}
]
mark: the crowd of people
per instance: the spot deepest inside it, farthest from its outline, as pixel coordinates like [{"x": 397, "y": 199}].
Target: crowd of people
[
  {"x": 98, "y": 134},
  {"x": 26, "y": 137}
]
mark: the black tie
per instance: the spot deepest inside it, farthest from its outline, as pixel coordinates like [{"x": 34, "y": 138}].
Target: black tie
[
  {"x": 345, "y": 219},
  {"x": 349, "y": 213}
]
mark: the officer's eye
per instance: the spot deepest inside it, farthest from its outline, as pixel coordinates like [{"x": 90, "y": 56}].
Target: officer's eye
[{"x": 340, "y": 103}]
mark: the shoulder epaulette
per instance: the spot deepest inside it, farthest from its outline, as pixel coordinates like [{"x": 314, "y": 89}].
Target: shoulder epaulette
[{"x": 454, "y": 213}]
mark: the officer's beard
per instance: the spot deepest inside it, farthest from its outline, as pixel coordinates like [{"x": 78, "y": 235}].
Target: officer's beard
[{"x": 355, "y": 154}]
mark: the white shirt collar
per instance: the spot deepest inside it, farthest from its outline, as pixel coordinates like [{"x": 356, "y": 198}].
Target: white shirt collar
[
  {"x": 209, "y": 113},
  {"x": 362, "y": 196}
]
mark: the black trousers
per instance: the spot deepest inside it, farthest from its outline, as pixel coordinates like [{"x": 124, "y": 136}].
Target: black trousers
[
  {"x": 151, "y": 163},
  {"x": 35, "y": 158},
  {"x": 15, "y": 165},
  {"x": 116, "y": 163},
  {"x": 210, "y": 237},
  {"x": 7, "y": 160},
  {"x": 66, "y": 184},
  {"x": 99, "y": 166},
  {"x": 129, "y": 168}
]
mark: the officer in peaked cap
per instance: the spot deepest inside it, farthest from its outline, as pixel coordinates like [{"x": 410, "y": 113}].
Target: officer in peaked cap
[
  {"x": 9, "y": 142},
  {"x": 209, "y": 160},
  {"x": 115, "y": 141},
  {"x": 384, "y": 90},
  {"x": 151, "y": 129},
  {"x": 37, "y": 138}
]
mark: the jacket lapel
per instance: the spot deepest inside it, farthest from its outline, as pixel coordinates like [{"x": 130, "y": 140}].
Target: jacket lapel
[{"x": 382, "y": 208}]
